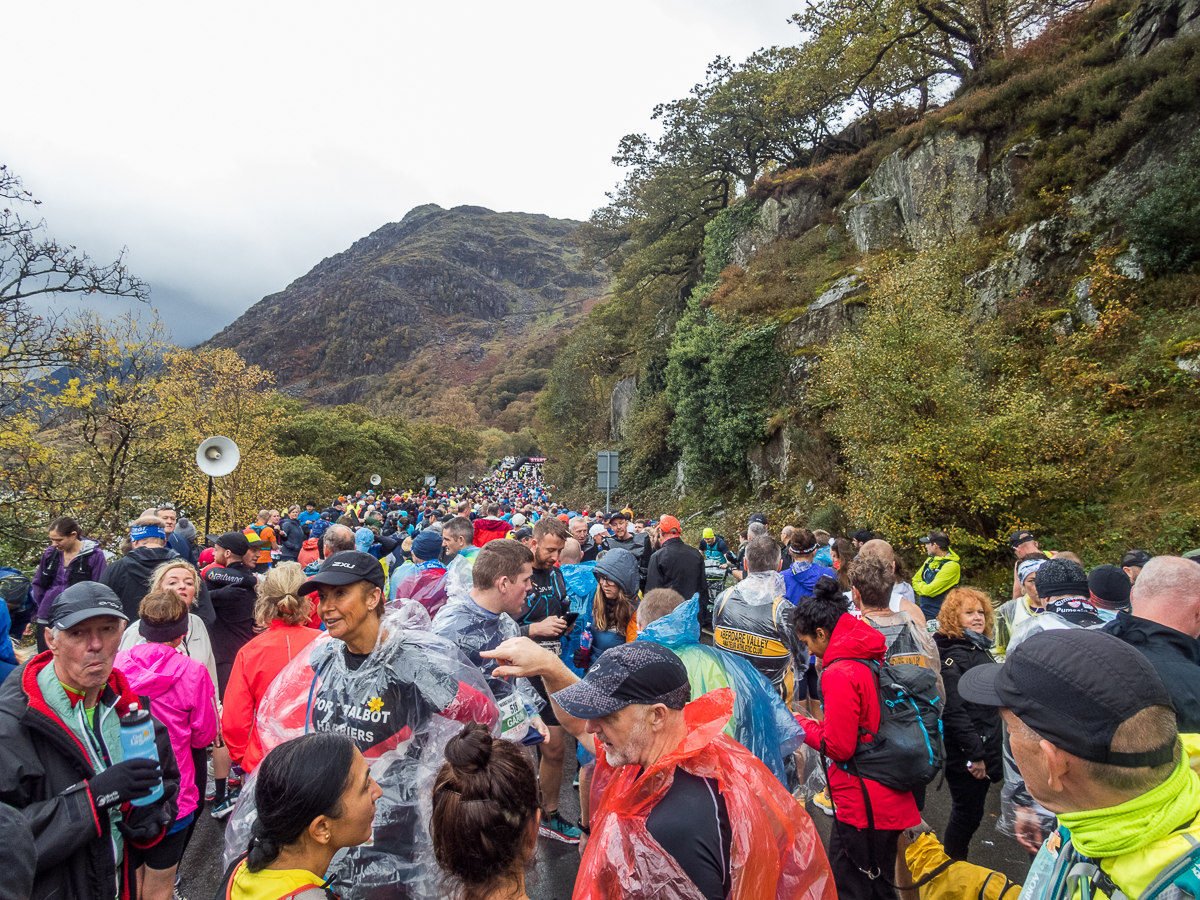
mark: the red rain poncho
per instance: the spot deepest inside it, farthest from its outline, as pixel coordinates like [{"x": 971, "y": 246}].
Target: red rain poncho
[{"x": 776, "y": 851}]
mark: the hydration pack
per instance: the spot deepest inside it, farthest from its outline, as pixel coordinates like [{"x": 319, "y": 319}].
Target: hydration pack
[
  {"x": 907, "y": 751},
  {"x": 14, "y": 588}
]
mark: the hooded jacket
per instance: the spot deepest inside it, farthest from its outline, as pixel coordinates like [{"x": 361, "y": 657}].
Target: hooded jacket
[
  {"x": 43, "y": 775},
  {"x": 972, "y": 731},
  {"x": 933, "y": 582},
  {"x": 801, "y": 577},
  {"x": 489, "y": 529},
  {"x": 254, "y": 668},
  {"x": 850, "y": 699},
  {"x": 620, "y": 566},
  {"x": 1176, "y": 658},
  {"x": 52, "y": 577},
  {"x": 183, "y": 699},
  {"x": 129, "y": 576}
]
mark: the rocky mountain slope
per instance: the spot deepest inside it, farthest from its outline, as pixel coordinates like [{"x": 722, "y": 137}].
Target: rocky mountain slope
[{"x": 453, "y": 293}]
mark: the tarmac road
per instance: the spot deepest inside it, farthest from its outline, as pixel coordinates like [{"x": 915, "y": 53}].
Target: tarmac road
[{"x": 557, "y": 863}]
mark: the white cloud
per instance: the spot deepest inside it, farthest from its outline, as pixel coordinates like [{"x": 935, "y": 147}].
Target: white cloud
[{"x": 231, "y": 146}]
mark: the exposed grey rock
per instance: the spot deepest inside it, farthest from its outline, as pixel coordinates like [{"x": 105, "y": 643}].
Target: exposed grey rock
[
  {"x": 778, "y": 219},
  {"x": 620, "y": 404},
  {"x": 769, "y": 461},
  {"x": 1085, "y": 310},
  {"x": 1190, "y": 365},
  {"x": 1156, "y": 23},
  {"x": 875, "y": 223},
  {"x": 825, "y": 316}
]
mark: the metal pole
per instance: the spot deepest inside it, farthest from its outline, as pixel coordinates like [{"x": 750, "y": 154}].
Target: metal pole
[{"x": 208, "y": 509}]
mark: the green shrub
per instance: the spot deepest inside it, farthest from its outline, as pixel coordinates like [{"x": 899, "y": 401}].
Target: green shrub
[{"x": 1164, "y": 225}]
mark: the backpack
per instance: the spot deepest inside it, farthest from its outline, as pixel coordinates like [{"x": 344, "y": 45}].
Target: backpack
[
  {"x": 907, "y": 751},
  {"x": 14, "y": 588}
]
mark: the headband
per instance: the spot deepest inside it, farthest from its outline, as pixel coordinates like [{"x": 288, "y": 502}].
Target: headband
[
  {"x": 1024, "y": 569},
  {"x": 141, "y": 532},
  {"x": 813, "y": 549},
  {"x": 168, "y": 631}
]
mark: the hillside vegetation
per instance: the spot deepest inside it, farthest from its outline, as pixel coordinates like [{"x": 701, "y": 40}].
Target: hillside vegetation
[{"x": 980, "y": 316}]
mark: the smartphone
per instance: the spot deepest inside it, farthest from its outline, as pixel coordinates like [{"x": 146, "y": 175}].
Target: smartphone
[{"x": 571, "y": 617}]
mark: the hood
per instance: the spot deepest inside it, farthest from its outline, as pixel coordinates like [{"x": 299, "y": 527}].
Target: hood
[
  {"x": 1143, "y": 633},
  {"x": 152, "y": 556},
  {"x": 853, "y": 638},
  {"x": 679, "y": 627},
  {"x": 151, "y": 669},
  {"x": 621, "y": 566},
  {"x": 951, "y": 555}
]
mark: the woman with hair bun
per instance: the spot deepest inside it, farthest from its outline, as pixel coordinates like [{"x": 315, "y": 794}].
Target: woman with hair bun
[
  {"x": 281, "y": 613},
  {"x": 486, "y": 813},
  {"x": 315, "y": 797}
]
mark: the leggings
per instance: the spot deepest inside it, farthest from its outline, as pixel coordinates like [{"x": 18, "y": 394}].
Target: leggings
[{"x": 968, "y": 795}]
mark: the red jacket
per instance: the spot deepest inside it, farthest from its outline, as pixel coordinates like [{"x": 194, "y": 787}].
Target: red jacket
[
  {"x": 850, "y": 699},
  {"x": 255, "y": 667},
  {"x": 490, "y": 529}
]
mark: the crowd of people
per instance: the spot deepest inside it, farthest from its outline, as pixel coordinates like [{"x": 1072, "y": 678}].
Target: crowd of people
[{"x": 379, "y": 697}]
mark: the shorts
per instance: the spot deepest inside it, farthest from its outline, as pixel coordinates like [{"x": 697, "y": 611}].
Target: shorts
[
  {"x": 167, "y": 852},
  {"x": 548, "y": 716}
]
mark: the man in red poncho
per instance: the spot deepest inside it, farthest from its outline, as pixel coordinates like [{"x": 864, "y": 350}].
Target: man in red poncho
[{"x": 679, "y": 809}]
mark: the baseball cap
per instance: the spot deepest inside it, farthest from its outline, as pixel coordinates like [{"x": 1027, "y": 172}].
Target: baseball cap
[
  {"x": 937, "y": 537},
  {"x": 618, "y": 514},
  {"x": 862, "y": 536},
  {"x": 1109, "y": 585},
  {"x": 638, "y": 672},
  {"x": 669, "y": 525},
  {"x": 597, "y": 529},
  {"x": 346, "y": 567},
  {"x": 1135, "y": 558},
  {"x": 1017, "y": 538},
  {"x": 758, "y": 517},
  {"x": 523, "y": 532},
  {"x": 1074, "y": 688},
  {"x": 233, "y": 541},
  {"x": 84, "y": 600}
]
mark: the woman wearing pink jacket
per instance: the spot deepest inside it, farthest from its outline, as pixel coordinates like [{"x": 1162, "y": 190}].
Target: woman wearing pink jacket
[{"x": 182, "y": 697}]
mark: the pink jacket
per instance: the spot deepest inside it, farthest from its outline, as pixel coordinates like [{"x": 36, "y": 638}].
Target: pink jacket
[{"x": 182, "y": 698}]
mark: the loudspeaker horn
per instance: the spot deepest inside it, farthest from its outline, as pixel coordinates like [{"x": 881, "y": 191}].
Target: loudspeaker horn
[
  {"x": 218, "y": 456},
  {"x": 375, "y": 479}
]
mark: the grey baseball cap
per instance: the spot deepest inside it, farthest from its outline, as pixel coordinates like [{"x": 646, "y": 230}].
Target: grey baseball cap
[{"x": 85, "y": 600}]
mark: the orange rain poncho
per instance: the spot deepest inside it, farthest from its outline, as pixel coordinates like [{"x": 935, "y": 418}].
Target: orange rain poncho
[{"x": 623, "y": 861}]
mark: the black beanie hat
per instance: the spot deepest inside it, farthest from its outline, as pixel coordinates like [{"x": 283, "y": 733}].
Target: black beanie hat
[
  {"x": 1061, "y": 578},
  {"x": 1110, "y": 586}
]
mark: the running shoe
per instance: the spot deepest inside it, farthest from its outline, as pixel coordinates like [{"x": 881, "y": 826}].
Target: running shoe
[
  {"x": 821, "y": 801},
  {"x": 225, "y": 807},
  {"x": 557, "y": 828}
]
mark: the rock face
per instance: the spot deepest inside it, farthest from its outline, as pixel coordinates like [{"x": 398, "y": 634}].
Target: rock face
[
  {"x": 945, "y": 187},
  {"x": 436, "y": 279},
  {"x": 770, "y": 460},
  {"x": 620, "y": 405},
  {"x": 777, "y": 219},
  {"x": 1156, "y": 23}
]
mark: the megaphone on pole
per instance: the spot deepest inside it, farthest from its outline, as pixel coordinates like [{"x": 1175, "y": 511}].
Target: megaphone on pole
[
  {"x": 375, "y": 479},
  {"x": 216, "y": 456}
]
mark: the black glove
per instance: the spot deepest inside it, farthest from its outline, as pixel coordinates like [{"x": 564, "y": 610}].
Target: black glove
[
  {"x": 143, "y": 824},
  {"x": 123, "y": 782}
]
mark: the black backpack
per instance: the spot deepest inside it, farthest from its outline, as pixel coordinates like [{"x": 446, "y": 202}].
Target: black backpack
[
  {"x": 14, "y": 588},
  {"x": 907, "y": 751}
]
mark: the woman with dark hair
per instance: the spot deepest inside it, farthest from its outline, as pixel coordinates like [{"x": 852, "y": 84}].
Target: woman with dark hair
[
  {"x": 850, "y": 698},
  {"x": 486, "y": 812},
  {"x": 315, "y": 796},
  {"x": 70, "y": 559},
  {"x": 974, "y": 737}
]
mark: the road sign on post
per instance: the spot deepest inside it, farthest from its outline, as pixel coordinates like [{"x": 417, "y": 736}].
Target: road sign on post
[{"x": 607, "y": 474}]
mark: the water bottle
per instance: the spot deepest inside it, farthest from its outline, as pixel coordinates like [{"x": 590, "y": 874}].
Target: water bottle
[
  {"x": 583, "y": 656},
  {"x": 137, "y": 742}
]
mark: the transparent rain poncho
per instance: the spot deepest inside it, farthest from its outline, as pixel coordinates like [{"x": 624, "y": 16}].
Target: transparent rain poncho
[
  {"x": 400, "y": 707},
  {"x": 760, "y": 722},
  {"x": 472, "y": 628}
]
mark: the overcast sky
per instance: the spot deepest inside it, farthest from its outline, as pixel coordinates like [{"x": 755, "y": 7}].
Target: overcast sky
[{"x": 232, "y": 146}]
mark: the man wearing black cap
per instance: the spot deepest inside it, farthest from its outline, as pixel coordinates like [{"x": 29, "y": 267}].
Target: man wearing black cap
[
  {"x": 675, "y": 775},
  {"x": 61, "y": 762},
  {"x": 938, "y": 574},
  {"x": 636, "y": 543},
  {"x": 1093, "y": 733},
  {"x": 1164, "y": 625},
  {"x": 1133, "y": 562},
  {"x": 1022, "y": 543},
  {"x": 233, "y": 587}
]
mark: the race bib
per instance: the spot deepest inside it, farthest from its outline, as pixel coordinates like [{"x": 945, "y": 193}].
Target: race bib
[{"x": 512, "y": 716}]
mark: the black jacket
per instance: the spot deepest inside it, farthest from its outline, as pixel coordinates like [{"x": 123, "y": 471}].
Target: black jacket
[
  {"x": 43, "y": 774},
  {"x": 1176, "y": 658},
  {"x": 234, "y": 592},
  {"x": 293, "y": 539},
  {"x": 129, "y": 577},
  {"x": 677, "y": 566},
  {"x": 972, "y": 731}
]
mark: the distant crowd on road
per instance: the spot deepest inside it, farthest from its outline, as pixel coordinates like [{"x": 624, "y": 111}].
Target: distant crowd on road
[{"x": 377, "y": 696}]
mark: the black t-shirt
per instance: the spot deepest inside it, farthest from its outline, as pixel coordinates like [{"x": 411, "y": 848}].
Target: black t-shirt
[
  {"x": 547, "y": 597},
  {"x": 691, "y": 822}
]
